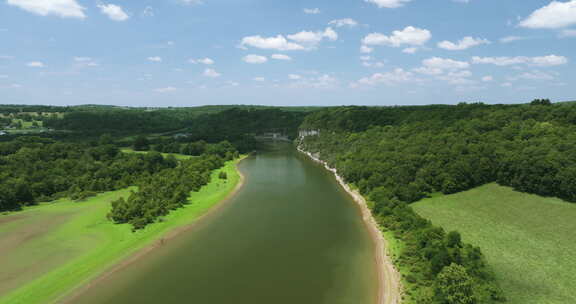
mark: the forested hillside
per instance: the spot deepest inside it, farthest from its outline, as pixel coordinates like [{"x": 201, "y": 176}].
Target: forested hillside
[
  {"x": 115, "y": 121},
  {"x": 450, "y": 149},
  {"x": 399, "y": 155},
  {"x": 211, "y": 124},
  {"x": 235, "y": 125}
]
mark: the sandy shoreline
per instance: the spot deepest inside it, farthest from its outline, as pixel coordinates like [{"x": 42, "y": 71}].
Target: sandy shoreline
[
  {"x": 389, "y": 286},
  {"x": 140, "y": 253}
]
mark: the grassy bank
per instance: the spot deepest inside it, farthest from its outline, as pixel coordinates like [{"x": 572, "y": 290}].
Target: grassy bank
[
  {"x": 75, "y": 242},
  {"x": 528, "y": 240}
]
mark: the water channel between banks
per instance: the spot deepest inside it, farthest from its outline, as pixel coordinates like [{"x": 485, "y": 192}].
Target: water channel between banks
[{"x": 290, "y": 235}]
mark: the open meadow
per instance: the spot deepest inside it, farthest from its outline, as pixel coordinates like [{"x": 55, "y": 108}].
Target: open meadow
[
  {"x": 528, "y": 240},
  {"x": 177, "y": 156},
  {"x": 48, "y": 250}
]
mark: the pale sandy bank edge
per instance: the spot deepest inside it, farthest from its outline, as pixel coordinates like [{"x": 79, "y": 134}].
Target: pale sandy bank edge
[{"x": 389, "y": 286}]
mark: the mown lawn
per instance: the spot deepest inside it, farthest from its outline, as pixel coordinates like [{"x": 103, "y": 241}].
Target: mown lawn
[
  {"x": 51, "y": 249},
  {"x": 529, "y": 241}
]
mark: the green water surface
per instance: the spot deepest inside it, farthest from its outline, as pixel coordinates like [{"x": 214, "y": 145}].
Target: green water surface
[{"x": 290, "y": 236}]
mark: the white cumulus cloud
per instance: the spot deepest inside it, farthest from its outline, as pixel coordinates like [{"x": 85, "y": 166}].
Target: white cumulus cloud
[
  {"x": 389, "y": 78},
  {"x": 533, "y": 75},
  {"x": 60, "y": 8},
  {"x": 509, "y": 39},
  {"x": 279, "y": 43},
  {"x": 155, "y": 59},
  {"x": 312, "y": 39},
  {"x": 343, "y": 22},
  {"x": 211, "y": 73},
  {"x": 304, "y": 40},
  {"x": 445, "y": 63},
  {"x": 543, "y": 61},
  {"x": 552, "y": 16},
  {"x": 465, "y": 43},
  {"x": 281, "y": 57},
  {"x": 312, "y": 11},
  {"x": 36, "y": 64},
  {"x": 549, "y": 60},
  {"x": 255, "y": 59},
  {"x": 114, "y": 12},
  {"x": 147, "y": 12},
  {"x": 457, "y": 78},
  {"x": 364, "y": 49},
  {"x": 410, "y": 35},
  {"x": 388, "y": 3},
  {"x": 410, "y": 50},
  {"x": 206, "y": 61},
  {"x": 437, "y": 66}
]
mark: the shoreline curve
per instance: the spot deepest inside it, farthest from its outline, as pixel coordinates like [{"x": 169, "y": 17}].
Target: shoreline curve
[
  {"x": 140, "y": 253},
  {"x": 389, "y": 280}
]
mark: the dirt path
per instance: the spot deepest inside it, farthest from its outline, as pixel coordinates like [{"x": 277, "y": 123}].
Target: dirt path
[
  {"x": 389, "y": 286},
  {"x": 155, "y": 245}
]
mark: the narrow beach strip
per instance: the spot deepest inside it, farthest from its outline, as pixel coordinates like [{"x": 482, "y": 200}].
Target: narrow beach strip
[{"x": 389, "y": 286}]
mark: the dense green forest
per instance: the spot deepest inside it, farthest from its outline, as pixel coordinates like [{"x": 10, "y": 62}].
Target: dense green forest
[
  {"x": 80, "y": 156},
  {"x": 213, "y": 124},
  {"x": 450, "y": 149},
  {"x": 115, "y": 121},
  {"x": 398, "y": 155},
  {"x": 36, "y": 170},
  {"x": 210, "y": 123},
  {"x": 186, "y": 146},
  {"x": 158, "y": 194}
]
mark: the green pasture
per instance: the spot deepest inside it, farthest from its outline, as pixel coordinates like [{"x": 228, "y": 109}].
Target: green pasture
[{"x": 528, "y": 240}]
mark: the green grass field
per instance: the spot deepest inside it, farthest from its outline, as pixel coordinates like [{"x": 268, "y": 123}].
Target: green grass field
[
  {"x": 177, "y": 156},
  {"x": 27, "y": 124},
  {"x": 49, "y": 250},
  {"x": 529, "y": 241}
]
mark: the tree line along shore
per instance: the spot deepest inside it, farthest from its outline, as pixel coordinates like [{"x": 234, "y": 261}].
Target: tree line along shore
[{"x": 394, "y": 156}]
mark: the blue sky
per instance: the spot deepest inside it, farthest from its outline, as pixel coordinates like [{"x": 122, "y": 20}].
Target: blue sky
[{"x": 278, "y": 52}]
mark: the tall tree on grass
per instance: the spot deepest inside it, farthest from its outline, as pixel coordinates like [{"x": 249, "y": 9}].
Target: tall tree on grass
[{"x": 454, "y": 286}]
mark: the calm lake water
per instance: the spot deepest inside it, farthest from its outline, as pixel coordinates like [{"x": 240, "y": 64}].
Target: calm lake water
[{"x": 290, "y": 236}]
